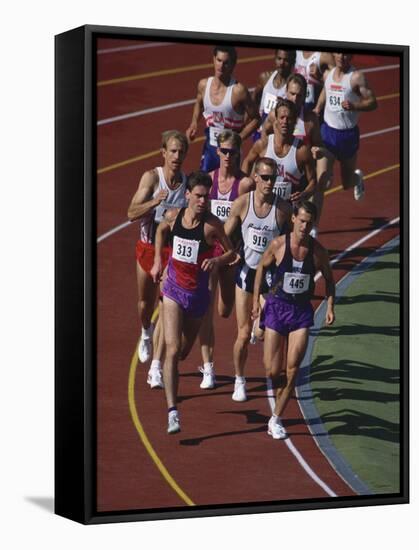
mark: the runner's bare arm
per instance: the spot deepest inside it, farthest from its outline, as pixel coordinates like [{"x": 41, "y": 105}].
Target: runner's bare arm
[
  {"x": 197, "y": 110},
  {"x": 143, "y": 202},
  {"x": 253, "y": 118},
  {"x": 321, "y": 102},
  {"x": 306, "y": 164},
  {"x": 162, "y": 234},
  {"x": 267, "y": 258},
  {"x": 268, "y": 125},
  {"x": 246, "y": 185},
  {"x": 217, "y": 229},
  {"x": 234, "y": 220},
  {"x": 367, "y": 100},
  {"x": 257, "y": 92},
  {"x": 252, "y": 156},
  {"x": 323, "y": 264}
]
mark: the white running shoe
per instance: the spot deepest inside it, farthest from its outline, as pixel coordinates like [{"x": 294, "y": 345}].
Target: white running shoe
[
  {"x": 239, "y": 393},
  {"x": 253, "y": 337},
  {"x": 359, "y": 189},
  {"x": 173, "y": 425},
  {"x": 154, "y": 378},
  {"x": 208, "y": 379},
  {"x": 276, "y": 429},
  {"x": 144, "y": 349}
]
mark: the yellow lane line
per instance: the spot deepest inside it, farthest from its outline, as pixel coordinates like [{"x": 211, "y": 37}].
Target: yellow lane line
[
  {"x": 177, "y": 70},
  {"x": 368, "y": 176},
  {"x": 143, "y": 436}
]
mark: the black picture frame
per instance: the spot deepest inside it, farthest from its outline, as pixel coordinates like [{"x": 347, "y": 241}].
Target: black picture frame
[{"x": 76, "y": 264}]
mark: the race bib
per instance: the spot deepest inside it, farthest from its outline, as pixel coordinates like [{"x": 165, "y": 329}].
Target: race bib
[
  {"x": 185, "y": 250},
  {"x": 336, "y": 98},
  {"x": 213, "y": 135},
  {"x": 269, "y": 103},
  {"x": 221, "y": 209},
  {"x": 310, "y": 94},
  {"x": 257, "y": 239},
  {"x": 296, "y": 283},
  {"x": 283, "y": 189}
]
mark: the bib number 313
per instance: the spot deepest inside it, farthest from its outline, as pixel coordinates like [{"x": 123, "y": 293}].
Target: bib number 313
[{"x": 185, "y": 250}]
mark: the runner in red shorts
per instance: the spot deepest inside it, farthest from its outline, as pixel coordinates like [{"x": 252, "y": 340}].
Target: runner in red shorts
[{"x": 160, "y": 189}]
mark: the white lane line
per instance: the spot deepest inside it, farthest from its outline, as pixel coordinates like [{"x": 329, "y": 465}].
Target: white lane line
[
  {"x": 295, "y": 452},
  {"x": 159, "y": 108},
  {"x": 134, "y": 47},
  {"x": 358, "y": 243},
  {"x": 112, "y": 231},
  {"x": 145, "y": 112},
  {"x": 370, "y": 134}
]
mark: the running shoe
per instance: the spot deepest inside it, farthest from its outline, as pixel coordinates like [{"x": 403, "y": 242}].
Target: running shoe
[
  {"x": 239, "y": 393},
  {"x": 359, "y": 189},
  {"x": 208, "y": 378},
  {"x": 314, "y": 232},
  {"x": 154, "y": 378},
  {"x": 173, "y": 425},
  {"x": 144, "y": 349},
  {"x": 276, "y": 429},
  {"x": 253, "y": 337}
]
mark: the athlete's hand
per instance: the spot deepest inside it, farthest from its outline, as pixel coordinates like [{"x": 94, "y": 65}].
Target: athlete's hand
[
  {"x": 317, "y": 153},
  {"x": 161, "y": 196},
  {"x": 236, "y": 260},
  {"x": 191, "y": 131},
  {"x": 156, "y": 271},
  {"x": 208, "y": 264},
  {"x": 295, "y": 197},
  {"x": 255, "y": 311},
  {"x": 347, "y": 105},
  {"x": 330, "y": 317}
]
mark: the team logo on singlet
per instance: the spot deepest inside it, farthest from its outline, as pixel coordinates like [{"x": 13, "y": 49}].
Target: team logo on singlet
[{"x": 218, "y": 117}]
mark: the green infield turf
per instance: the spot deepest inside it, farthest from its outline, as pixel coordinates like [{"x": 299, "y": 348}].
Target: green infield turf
[{"x": 355, "y": 375}]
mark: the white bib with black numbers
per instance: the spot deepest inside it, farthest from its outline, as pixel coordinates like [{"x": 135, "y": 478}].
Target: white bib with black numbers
[
  {"x": 335, "y": 100},
  {"x": 185, "y": 250},
  {"x": 296, "y": 283},
  {"x": 213, "y": 135},
  {"x": 258, "y": 239},
  {"x": 221, "y": 209},
  {"x": 283, "y": 189}
]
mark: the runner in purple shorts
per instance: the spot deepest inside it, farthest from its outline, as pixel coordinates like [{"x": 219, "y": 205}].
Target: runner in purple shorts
[
  {"x": 288, "y": 314},
  {"x": 192, "y": 233}
]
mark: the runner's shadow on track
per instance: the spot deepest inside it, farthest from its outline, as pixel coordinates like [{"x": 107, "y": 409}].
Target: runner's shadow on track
[
  {"x": 223, "y": 381},
  {"x": 389, "y": 297},
  {"x": 355, "y": 329},
  {"x": 355, "y": 423},
  {"x": 351, "y": 371},
  {"x": 252, "y": 417},
  {"x": 371, "y": 224}
]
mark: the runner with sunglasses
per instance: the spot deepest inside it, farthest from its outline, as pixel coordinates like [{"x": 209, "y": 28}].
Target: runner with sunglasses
[
  {"x": 262, "y": 216},
  {"x": 228, "y": 183},
  {"x": 293, "y": 159}
]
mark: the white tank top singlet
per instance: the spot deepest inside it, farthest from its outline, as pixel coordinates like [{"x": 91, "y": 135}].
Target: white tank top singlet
[
  {"x": 270, "y": 95},
  {"x": 302, "y": 66},
  {"x": 223, "y": 116},
  {"x": 258, "y": 232},
  {"x": 288, "y": 172},
  {"x": 175, "y": 199},
  {"x": 337, "y": 92}
]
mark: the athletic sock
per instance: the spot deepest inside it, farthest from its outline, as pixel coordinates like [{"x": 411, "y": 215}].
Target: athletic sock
[
  {"x": 208, "y": 366},
  {"x": 171, "y": 409},
  {"x": 155, "y": 364},
  {"x": 240, "y": 379},
  {"x": 146, "y": 332}
]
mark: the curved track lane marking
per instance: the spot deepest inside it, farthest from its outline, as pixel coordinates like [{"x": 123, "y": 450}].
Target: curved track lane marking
[
  {"x": 177, "y": 70},
  {"x": 143, "y": 436}
]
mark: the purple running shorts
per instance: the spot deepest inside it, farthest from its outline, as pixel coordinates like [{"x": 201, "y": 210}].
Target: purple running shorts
[
  {"x": 193, "y": 302},
  {"x": 285, "y": 317}
]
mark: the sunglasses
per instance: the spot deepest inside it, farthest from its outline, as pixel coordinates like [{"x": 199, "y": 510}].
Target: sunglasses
[
  {"x": 267, "y": 177},
  {"x": 226, "y": 151}
]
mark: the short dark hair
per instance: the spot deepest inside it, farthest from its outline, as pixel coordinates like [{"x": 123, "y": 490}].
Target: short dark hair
[
  {"x": 231, "y": 50},
  {"x": 298, "y": 79},
  {"x": 288, "y": 104},
  {"x": 268, "y": 162},
  {"x": 292, "y": 54},
  {"x": 306, "y": 205},
  {"x": 198, "y": 178}
]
